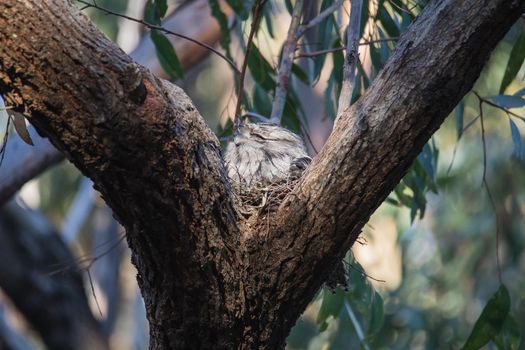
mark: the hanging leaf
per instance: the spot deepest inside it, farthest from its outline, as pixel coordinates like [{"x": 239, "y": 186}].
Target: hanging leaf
[
  {"x": 223, "y": 23},
  {"x": 167, "y": 56},
  {"x": 388, "y": 23},
  {"x": 508, "y": 101},
  {"x": 326, "y": 32},
  {"x": 458, "y": 114},
  {"x": 19, "y": 121},
  {"x": 261, "y": 69},
  {"x": 331, "y": 305},
  {"x": 154, "y": 11},
  {"x": 516, "y": 57},
  {"x": 241, "y": 8},
  {"x": 261, "y": 101},
  {"x": 509, "y": 335},
  {"x": 300, "y": 74},
  {"x": 519, "y": 151},
  {"x": 491, "y": 320}
]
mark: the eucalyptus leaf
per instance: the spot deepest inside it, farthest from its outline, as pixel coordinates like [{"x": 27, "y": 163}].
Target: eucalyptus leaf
[
  {"x": 491, "y": 320},
  {"x": 508, "y": 101},
  {"x": 167, "y": 56},
  {"x": 516, "y": 58}
]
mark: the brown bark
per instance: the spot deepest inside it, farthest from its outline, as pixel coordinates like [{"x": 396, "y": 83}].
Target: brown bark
[{"x": 205, "y": 283}]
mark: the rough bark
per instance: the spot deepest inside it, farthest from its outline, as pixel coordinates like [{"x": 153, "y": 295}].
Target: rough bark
[
  {"x": 22, "y": 162},
  {"x": 44, "y": 282},
  {"x": 205, "y": 283}
]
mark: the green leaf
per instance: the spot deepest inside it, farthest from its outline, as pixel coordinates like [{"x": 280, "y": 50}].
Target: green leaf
[
  {"x": 516, "y": 57},
  {"x": 261, "y": 70},
  {"x": 154, "y": 11},
  {"x": 388, "y": 23},
  {"x": 167, "y": 56},
  {"x": 162, "y": 7},
  {"x": 223, "y": 23},
  {"x": 491, "y": 320},
  {"x": 326, "y": 32},
  {"x": 241, "y": 7},
  {"x": 300, "y": 73},
  {"x": 261, "y": 101},
  {"x": 508, "y": 101},
  {"x": 289, "y": 6},
  {"x": 519, "y": 151},
  {"x": 509, "y": 335},
  {"x": 331, "y": 305},
  {"x": 377, "y": 315},
  {"x": 520, "y": 92},
  {"x": 459, "y": 113}
]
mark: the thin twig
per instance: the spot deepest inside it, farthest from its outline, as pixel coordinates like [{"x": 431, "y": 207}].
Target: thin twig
[
  {"x": 486, "y": 185},
  {"x": 495, "y": 105},
  {"x": 160, "y": 29},
  {"x": 255, "y": 24},
  {"x": 352, "y": 56},
  {"x": 285, "y": 66},
  {"x": 336, "y": 49}
]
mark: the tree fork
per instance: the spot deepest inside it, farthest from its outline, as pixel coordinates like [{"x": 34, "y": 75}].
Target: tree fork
[{"x": 158, "y": 166}]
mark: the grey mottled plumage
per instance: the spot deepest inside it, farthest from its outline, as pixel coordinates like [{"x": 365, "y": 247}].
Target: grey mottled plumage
[{"x": 265, "y": 153}]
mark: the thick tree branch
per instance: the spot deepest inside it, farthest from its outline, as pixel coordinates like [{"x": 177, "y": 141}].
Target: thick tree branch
[
  {"x": 148, "y": 152},
  {"x": 194, "y": 19},
  {"x": 374, "y": 142}
]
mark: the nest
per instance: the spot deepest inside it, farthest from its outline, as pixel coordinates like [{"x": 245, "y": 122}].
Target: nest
[{"x": 256, "y": 204}]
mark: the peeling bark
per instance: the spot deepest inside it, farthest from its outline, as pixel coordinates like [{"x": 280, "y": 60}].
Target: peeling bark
[{"x": 158, "y": 166}]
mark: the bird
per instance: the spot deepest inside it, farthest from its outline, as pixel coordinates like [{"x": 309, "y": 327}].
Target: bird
[{"x": 264, "y": 153}]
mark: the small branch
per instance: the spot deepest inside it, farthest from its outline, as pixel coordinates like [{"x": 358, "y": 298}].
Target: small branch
[
  {"x": 336, "y": 49},
  {"x": 486, "y": 185},
  {"x": 24, "y": 162},
  {"x": 318, "y": 19},
  {"x": 285, "y": 66},
  {"x": 161, "y": 29},
  {"x": 255, "y": 24},
  {"x": 495, "y": 105},
  {"x": 352, "y": 55}
]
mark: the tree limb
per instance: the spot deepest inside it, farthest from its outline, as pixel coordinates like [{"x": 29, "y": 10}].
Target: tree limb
[{"x": 23, "y": 162}]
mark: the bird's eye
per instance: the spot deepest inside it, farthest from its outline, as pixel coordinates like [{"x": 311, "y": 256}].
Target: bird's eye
[{"x": 258, "y": 136}]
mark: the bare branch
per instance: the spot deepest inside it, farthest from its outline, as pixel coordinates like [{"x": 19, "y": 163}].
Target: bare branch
[
  {"x": 352, "y": 56},
  {"x": 295, "y": 32},
  {"x": 336, "y": 49},
  {"x": 285, "y": 66}
]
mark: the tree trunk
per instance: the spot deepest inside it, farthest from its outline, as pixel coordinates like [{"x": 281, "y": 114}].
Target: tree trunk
[{"x": 209, "y": 280}]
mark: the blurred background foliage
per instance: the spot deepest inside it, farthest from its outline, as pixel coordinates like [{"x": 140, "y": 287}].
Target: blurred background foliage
[{"x": 425, "y": 266}]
